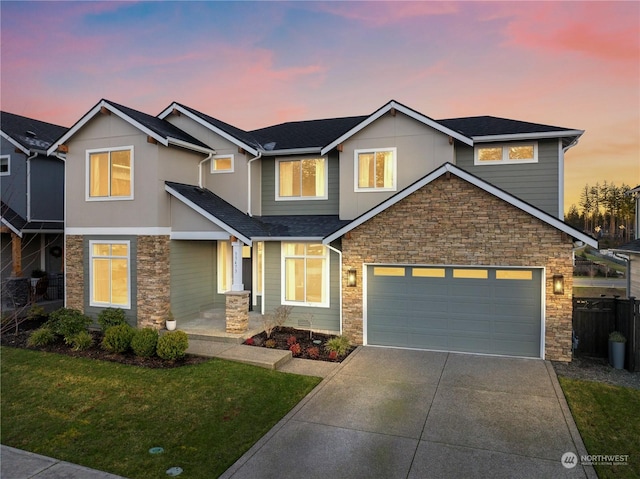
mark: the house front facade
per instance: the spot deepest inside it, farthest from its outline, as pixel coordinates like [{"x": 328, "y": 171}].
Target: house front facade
[{"x": 392, "y": 228}]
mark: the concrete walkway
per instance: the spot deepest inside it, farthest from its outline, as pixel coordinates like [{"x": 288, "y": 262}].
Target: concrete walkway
[{"x": 392, "y": 413}]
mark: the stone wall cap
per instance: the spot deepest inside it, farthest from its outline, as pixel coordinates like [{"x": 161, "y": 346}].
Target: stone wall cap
[{"x": 237, "y": 293}]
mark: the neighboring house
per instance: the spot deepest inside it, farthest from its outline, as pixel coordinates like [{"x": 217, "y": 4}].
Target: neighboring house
[
  {"x": 392, "y": 228},
  {"x": 632, "y": 251},
  {"x": 32, "y": 206}
]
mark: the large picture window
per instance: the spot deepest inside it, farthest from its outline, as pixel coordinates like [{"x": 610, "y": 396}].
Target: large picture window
[
  {"x": 505, "y": 154},
  {"x": 301, "y": 179},
  {"x": 305, "y": 274},
  {"x": 110, "y": 274},
  {"x": 375, "y": 169},
  {"x": 110, "y": 174}
]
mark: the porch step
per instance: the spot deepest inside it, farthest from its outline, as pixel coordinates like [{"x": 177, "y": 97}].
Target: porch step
[{"x": 262, "y": 357}]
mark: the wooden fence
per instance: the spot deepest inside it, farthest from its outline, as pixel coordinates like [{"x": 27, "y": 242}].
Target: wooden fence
[{"x": 595, "y": 318}]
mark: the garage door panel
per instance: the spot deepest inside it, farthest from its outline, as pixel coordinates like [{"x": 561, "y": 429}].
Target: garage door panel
[{"x": 483, "y": 310}]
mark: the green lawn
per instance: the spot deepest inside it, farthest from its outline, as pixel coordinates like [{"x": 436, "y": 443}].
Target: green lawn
[
  {"x": 107, "y": 416},
  {"x": 608, "y": 418}
]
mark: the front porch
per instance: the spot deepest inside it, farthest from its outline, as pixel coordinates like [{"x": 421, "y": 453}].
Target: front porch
[{"x": 211, "y": 325}]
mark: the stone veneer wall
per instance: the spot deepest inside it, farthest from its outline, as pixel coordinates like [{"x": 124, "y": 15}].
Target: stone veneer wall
[
  {"x": 152, "y": 273},
  {"x": 154, "y": 285},
  {"x": 450, "y": 221},
  {"x": 74, "y": 272}
]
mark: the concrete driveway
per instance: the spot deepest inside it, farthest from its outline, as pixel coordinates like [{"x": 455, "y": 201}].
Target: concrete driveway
[{"x": 393, "y": 413}]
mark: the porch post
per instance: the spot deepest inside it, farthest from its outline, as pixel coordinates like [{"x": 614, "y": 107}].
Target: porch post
[
  {"x": 16, "y": 255},
  {"x": 236, "y": 274}
]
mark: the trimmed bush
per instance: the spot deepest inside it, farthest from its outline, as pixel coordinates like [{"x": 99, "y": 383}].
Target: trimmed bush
[
  {"x": 111, "y": 317},
  {"x": 117, "y": 339},
  {"x": 339, "y": 344},
  {"x": 67, "y": 323},
  {"x": 41, "y": 337},
  {"x": 172, "y": 345},
  {"x": 144, "y": 342},
  {"x": 81, "y": 341}
]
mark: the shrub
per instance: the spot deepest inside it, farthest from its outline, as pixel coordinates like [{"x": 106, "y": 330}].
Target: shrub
[
  {"x": 270, "y": 343},
  {"x": 117, "y": 339},
  {"x": 339, "y": 344},
  {"x": 41, "y": 337},
  {"x": 249, "y": 342},
  {"x": 111, "y": 317},
  {"x": 295, "y": 349},
  {"x": 81, "y": 341},
  {"x": 172, "y": 345},
  {"x": 144, "y": 342},
  {"x": 333, "y": 355},
  {"x": 313, "y": 352},
  {"x": 36, "y": 312},
  {"x": 291, "y": 340},
  {"x": 67, "y": 323}
]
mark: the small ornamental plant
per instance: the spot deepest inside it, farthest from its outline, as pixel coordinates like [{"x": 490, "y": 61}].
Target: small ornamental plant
[
  {"x": 333, "y": 355},
  {"x": 340, "y": 345},
  {"x": 249, "y": 342},
  {"x": 295, "y": 349},
  {"x": 270, "y": 343},
  {"x": 617, "y": 337},
  {"x": 291, "y": 340},
  {"x": 313, "y": 352}
]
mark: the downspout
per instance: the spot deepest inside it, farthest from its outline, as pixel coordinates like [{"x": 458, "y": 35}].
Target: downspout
[
  {"x": 249, "y": 181},
  {"x": 29, "y": 158},
  {"x": 340, "y": 255},
  {"x": 64, "y": 235},
  {"x": 200, "y": 169},
  {"x": 561, "y": 177}
]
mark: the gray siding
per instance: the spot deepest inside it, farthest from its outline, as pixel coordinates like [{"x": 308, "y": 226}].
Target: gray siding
[
  {"x": 193, "y": 277},
  {"x": 535, "y": 183},
  {"x": 93, "y": 311},
  {"x": 14, "y": 186},
  {"x": 47, "y": 189},
  {"x": 271, "y": 207},
  {"x": 325, "y": 319}
]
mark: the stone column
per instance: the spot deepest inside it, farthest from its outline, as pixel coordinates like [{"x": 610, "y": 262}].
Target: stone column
[{"x": 237, "y": 311}]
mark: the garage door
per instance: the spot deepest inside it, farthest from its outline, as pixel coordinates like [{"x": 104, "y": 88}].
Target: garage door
[{"x": 478, "y": 310}]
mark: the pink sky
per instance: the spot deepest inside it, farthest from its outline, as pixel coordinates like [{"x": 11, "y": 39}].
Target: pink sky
[{"x": 570, "y": 64}]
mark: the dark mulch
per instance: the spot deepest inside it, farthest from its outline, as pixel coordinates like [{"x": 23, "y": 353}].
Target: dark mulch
[
  {"x": 19, "y": 340},
  {"x": 284, "y": 338}
]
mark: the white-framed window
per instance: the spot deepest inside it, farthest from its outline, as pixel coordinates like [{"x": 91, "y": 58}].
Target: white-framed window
[
  {"x": 110, "y": 174},
  {"x": 224, "y": 266},
  {"x": 110, "y": 274},
  {"x": 512, "y": 153},
  {"x": 375, "y": 169},
  {"x": 305, "y": 274},
  {"x": 222, "y": 164},
  {"x": 5, "y": 165},
  {"x": 304, "y": 179}
]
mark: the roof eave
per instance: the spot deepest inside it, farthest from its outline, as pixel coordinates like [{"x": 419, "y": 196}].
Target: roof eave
[
  {"x": 293, "y": 151},
  {"x": 528, "y": 136},
  {"x": 190, "y": 146},
  {"x": 15, "y": 143}
]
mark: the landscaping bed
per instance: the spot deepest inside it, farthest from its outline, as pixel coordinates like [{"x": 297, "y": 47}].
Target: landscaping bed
[{"x": 310, "y": 345}]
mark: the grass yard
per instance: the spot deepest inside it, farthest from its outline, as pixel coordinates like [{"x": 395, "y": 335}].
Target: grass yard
[
  {"x": 107, "y": 415},
  {"x": 608, "y": 418}
]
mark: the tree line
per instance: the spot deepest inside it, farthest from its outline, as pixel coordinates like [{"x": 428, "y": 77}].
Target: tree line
[{"x": 606, "y": 211}]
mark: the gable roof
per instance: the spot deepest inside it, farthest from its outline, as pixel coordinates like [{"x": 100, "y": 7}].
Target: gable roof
[
  {"x": 235, "y": 135},
  {"x": 160, "y": 130},
  {"x": 488, "y": 187},
  {"x": 27, "y": 134},
  {"x": 492, "y": 128},
  {"x": 252, "y": 228}
]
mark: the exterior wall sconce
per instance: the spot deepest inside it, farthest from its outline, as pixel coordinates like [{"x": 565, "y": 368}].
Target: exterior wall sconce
[
  {"x": 352, "y": 279},
  {"x": 558, "y": 284}
]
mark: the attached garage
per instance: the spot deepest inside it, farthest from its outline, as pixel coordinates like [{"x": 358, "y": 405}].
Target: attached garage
[{"x": 488, "y": 310}]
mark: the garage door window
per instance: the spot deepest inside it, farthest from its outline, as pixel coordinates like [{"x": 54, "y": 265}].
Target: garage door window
[
  {"x": 471, "y": 273},
  {"x": 387, "y": 271},
  {"x": 514, "y": 274},
  {"x": 428, "y": 273},
  {"x": 305, "y": 273}
]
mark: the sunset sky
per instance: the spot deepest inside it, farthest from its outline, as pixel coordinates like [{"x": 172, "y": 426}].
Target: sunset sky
[{"x": 254, "y": 64}]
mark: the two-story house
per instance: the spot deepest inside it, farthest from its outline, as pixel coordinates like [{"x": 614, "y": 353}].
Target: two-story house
[
  {"x": 392, "y": 228},
  {"x": 32, "y": 205}
]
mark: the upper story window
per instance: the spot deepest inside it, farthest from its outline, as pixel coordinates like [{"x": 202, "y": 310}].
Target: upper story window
[
  {"x": 109, "y": 275},
  {"x": 375, "y": 169},
  {"x": 301, "y": 179},
  {"x": 110, "y": 173},
  {"x": 5, "y": 165},
  {"x": 504, "y": 154},
  {"x": 222, "y": 164}
]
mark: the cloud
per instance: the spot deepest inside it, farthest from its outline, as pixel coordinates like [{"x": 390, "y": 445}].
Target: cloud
[{"x": 377, "y": 14}]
